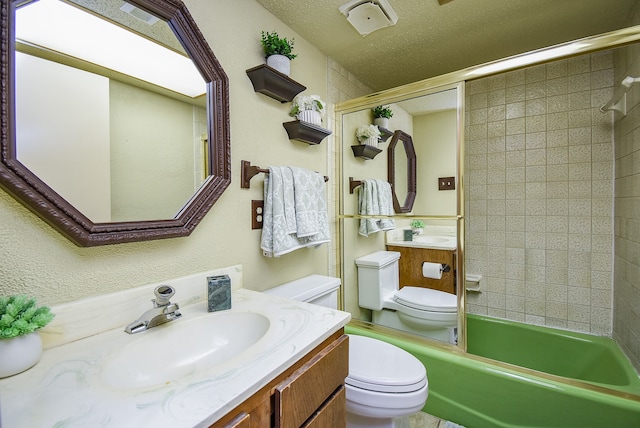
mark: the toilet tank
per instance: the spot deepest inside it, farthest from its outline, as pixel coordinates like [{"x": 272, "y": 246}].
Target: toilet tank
[
  {"x": 317, "y": 289},
  {"x": 378, "y": 276}
]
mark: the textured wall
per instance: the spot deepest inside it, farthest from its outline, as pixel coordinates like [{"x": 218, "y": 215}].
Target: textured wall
[
  {"x": 539, "y": 168},
  {"x": 626, "y": 297},
  {"x": 38, "y": 261}
]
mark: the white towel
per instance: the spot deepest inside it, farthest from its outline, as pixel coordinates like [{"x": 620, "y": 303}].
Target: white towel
[
  {"x": 375, "y": 198},
  {"x": 295, "y": 211}
]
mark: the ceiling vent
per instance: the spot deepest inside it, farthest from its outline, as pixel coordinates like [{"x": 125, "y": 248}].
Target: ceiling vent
[{"x": 367, "y": 16}]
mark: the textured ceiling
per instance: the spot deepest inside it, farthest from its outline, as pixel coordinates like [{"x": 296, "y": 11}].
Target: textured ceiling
[{"x": 432, "y": 39}]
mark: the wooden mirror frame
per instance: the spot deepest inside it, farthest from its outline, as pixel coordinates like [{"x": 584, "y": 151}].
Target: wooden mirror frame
[
  {"x": 37, "y": 196},
  {"x": 407, "y": 141}
]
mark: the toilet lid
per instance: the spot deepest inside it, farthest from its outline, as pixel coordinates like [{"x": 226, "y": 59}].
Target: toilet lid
[
  {"x": 379, "y": 366},
  {"x": 426, "y": 299}
]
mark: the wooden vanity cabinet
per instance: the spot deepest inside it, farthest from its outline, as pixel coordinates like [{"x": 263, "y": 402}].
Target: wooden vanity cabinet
[
  {"x": 410, "y": 266},
  {"x": 309, "y": 394}
]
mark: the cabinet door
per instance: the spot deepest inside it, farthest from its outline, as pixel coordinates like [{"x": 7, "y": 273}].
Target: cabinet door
[
  {"x": 302, "y": 394},
  {"x": 333, "y": 412},
  {"x": 410, "y": 266},
  {"x": 243, "y": 420}
]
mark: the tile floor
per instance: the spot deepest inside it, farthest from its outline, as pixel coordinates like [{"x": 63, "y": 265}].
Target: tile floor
[{"x": 425, "y": 420}]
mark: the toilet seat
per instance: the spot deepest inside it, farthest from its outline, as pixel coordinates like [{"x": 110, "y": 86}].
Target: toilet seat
[
  {"x": 378, "y": 366},
  {"x": 426, "y": 299}
]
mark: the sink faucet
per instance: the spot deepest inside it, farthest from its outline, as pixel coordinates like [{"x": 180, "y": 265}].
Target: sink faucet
[{"x": 163, "y": 311}]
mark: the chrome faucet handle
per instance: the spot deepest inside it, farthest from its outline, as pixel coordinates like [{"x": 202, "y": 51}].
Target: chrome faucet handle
[{"x": 163, "y": 293}]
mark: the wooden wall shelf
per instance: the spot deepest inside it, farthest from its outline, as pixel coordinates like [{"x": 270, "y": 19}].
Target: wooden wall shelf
[
  {"x": 305, "y": 132},
  {"x": 274, "y": 84},
  {"x": 384, "y": 133},
  {"x": 365, "y": 151}
]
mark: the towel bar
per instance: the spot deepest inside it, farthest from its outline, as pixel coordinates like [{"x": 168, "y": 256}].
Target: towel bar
[
  {"x": 248, "y": 171},
  {"x": 353, "y": 184}
]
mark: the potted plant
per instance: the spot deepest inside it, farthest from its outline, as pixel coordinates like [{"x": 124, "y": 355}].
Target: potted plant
[
  {"x": 277, "y": 51},
  {"x": 308, "y": 108},
  {"x": 20, "y": 344},
  {"x": 368, "y": 134},
  {"x": 417, "y": 226},
  {"x": 381, "y": 116}
]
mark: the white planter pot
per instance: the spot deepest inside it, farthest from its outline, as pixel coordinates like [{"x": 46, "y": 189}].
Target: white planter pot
[
  {"x": 279, "y": 62},
  {"x": 310, "y": 116},
  {"x": 19, "y": 353},
  {"x": 371, "y": 141},
  {"x": 383, "y": 122}
]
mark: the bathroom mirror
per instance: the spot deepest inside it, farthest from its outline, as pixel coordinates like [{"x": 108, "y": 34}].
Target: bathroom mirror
[
  {"x": 132, "y": 174},
  {"x": 401, "y": 170},
  {"x": 426, "y": 134}
]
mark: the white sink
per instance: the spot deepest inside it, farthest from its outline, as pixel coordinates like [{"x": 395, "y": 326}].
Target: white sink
[
  {"x": 432, "y": 239},
  {"x": 180, "y": 348}
]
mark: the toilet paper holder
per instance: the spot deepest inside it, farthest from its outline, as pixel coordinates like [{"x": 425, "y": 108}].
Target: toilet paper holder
[{"x": 443, "y": 267}]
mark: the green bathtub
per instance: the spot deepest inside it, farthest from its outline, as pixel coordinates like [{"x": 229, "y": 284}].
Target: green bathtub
[
  {"x": 477, "y": 392},
  {"x": 584, "y": 357}
]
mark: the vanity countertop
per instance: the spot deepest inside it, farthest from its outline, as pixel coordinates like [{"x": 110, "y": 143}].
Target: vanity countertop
[
  {"x": 434, "y": 237},
  {"x": 65, "y": 388},
  {"x": 447, "y": 243}
]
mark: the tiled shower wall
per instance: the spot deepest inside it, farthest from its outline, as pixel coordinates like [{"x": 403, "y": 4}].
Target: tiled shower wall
[
  {"x": 539, "y": 194},
  {"x": 626, "y": 319}
]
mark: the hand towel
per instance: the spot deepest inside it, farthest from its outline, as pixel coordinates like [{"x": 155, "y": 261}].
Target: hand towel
[
  {"x": 295, "y": 211},
  {"x": 305, "y": 186},
  {"x": 375, "y": 198}
]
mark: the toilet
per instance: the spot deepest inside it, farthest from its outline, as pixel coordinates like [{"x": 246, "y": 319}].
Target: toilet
[
  {"x": 385, "y": 383},
  {"x": 418, "y": 310}
]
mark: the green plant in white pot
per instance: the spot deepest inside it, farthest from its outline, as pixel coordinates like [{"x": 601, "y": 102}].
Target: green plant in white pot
[
  {"x": 417, "y": 227},
  {"x": 277, "y": 51},
  {"x": 368, "y": 135},
  {"x": 308, "y": 108},
  {"x": 20, "y": 343},
  {"x": 381, "y": 115}
]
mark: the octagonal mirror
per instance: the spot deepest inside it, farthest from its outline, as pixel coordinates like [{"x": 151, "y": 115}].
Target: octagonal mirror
[
  {"x": 401, "y": 170},
  {"x": 103, "y": 151}
]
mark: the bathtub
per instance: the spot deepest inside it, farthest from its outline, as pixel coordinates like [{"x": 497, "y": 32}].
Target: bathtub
[
  {"x": 583, "y": 357},
  {"x": 477, "y": 392}
]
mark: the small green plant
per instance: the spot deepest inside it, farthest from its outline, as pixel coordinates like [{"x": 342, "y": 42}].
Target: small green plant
[
  {"x": 417, "y": 224},
  {"x": 19, "y": 315},
  {"x": 272, "y": 44},
  {"x": 382, "y": 111}
]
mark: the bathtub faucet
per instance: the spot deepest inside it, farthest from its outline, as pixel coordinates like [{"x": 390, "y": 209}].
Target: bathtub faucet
[{"x": 163, "y": 311}]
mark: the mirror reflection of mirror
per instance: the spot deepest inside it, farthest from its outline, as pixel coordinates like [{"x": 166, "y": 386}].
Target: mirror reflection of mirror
[
  {"x": 117, "y": 147},
  {"x": 401, "y": 171},
  {"x": 430, "y": 122}
]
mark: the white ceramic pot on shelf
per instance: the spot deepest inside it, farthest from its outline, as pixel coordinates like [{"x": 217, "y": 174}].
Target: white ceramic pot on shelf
[
  {"x": 280, "y": 63},
  {"x": 310, "y": 116},
  {"x": 19, "y": 353},
  {"x": 371, "y": 141},
  {"x": 382, "y": 122}
]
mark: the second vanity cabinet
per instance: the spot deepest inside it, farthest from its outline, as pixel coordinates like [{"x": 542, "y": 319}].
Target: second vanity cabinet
[
  {"x": 310, "y": 393},
  {"x": 410, "y": 265}
]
